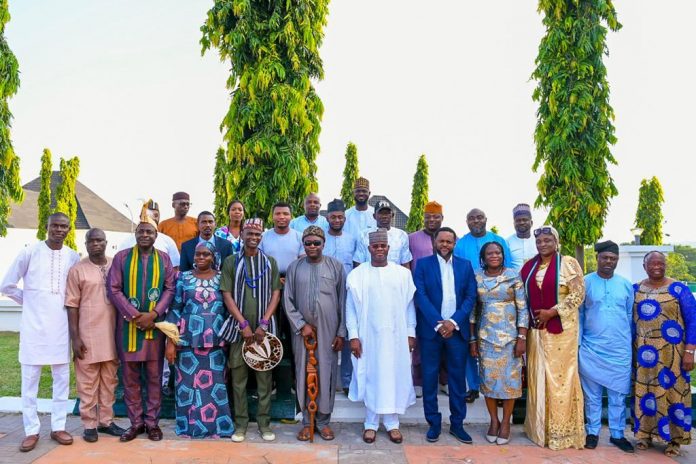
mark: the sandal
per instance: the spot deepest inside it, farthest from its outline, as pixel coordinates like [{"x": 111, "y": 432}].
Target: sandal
[
  {"x": 395, "y": 436},
  {"x": 672, "y": 450},
  {"x": 369, "y": 435},
  {"x": 303, "y": 435},
  {"x": 642, "y": 445},
  {"x": 326, "y": 433}
]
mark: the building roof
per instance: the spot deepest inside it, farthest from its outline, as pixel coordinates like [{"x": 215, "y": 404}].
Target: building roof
[
  {"x": 92, "y": 210},
  {"x": 400, "y": 218}
]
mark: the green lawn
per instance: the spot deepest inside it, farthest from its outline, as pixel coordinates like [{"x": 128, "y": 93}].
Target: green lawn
[{"x": 11, "y": 376}]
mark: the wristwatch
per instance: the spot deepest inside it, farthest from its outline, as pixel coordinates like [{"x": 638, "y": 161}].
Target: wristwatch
[
  {"x": 689, "y": 351},
  {"x": 522, "y": 337}
]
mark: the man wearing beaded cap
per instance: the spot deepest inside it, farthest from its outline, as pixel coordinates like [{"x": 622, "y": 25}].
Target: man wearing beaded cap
[
  {"x": 314, "y": 301},
  {"x": 250, "y": 286},
  {"x": 43, "y": 333},
  {"x": 141, "y": 287},
  {"x": 360, "y": 217},
  {"x": 522, "y": 244},
  {"x": 381, "y": 323}
]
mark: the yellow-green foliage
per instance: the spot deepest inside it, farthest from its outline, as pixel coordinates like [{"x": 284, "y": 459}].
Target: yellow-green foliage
[
  {"x": 574, "y": 121},
  {"x": 44, "y": 194},
  {"x": 10, "y": 186},
  {"x": 350, "y": 175},
  {"x": 419, "y": 196},
  {"x": 273, "y": 123},
  {"x": 66, "y": 202},
  {"x": 649, "y": 214}
]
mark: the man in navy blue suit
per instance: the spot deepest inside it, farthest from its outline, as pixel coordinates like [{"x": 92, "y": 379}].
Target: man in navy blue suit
[
  {"x": 445, "y": 295},
  {"x": 206, "y": 228}
]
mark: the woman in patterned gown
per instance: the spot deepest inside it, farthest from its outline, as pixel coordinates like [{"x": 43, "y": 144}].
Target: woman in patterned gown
[
  {"x": 555, "y": 289},
  {"x": 202, "y": 407},
  {"x": 665, "y": 337},
  {"x": 499, "y": 324}
]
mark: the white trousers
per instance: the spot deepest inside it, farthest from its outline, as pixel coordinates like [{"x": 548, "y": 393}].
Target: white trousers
[
  {"x": 30, "y": 389},
  {"x": 390, "y": 421}
]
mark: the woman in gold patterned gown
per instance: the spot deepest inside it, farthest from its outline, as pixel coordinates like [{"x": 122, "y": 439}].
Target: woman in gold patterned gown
[
  {"x": 555, "y": 289},
  {"x": 498, "y": 327},
  {"x": 665, "y": 316}
]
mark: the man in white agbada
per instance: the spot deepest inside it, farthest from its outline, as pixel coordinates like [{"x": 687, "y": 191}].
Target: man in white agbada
[
  {"x": 43, "y": 334},
  {"x": 381, "y": 323}
]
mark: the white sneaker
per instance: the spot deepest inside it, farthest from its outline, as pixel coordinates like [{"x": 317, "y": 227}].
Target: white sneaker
[
  {"x": 419, "y": 391},
  {"x": 268, "y": 436},
  {"x": 239, "y": 437}
]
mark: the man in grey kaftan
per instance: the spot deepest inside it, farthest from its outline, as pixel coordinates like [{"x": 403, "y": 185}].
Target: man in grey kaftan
[{"x": 314, "y": 299}]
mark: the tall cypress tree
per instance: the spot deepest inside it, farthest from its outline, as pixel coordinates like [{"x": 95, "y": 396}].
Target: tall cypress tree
[
  {"x": 45, "y": 194},
  {"x": 350, "y": 175},
  {"x": 574, "y": 121},
  {"x": 222, "y": 196},
  {"x": 419, "y": 196},
  {"x": 10, "y": 185},
  {"x": 273, "y": 123},
  {"x": 649, "y": 214},
  {"x": 66, "y": 202}
]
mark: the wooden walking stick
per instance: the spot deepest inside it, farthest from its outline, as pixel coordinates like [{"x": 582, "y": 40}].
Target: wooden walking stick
[{"x": 310, "y": 344}]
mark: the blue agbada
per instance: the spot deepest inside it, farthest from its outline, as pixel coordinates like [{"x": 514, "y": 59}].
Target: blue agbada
[
  {"x": 605, "y": 332},
  {"x": 469, "y": 247}
]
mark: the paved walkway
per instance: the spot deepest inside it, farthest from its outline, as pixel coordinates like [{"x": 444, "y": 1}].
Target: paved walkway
[{"x": 347, "y": 448}]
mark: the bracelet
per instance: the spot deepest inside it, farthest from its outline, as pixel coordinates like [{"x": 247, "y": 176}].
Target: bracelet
[
  {"x": 689, "y": 351},
  {"x": 243, "y": 325},
  {"x": 473, "y": 340},
  {"x": 264, "y": 323},
  {"x": 522, "y": 337}
]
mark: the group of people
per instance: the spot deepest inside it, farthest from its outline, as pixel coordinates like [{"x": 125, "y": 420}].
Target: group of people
[{"x": 406, "y": 316}]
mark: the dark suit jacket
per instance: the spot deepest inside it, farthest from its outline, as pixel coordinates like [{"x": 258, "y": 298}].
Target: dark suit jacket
[
  {"x": 429, "y": 293},
  {"x": 188, "y": 248}
]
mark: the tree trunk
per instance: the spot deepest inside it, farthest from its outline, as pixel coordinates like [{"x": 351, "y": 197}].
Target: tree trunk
[{"x": 580, "y": 256}]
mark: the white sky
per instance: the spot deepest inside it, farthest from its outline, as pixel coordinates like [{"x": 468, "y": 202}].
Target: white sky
[{"x": 122, "y": 85}]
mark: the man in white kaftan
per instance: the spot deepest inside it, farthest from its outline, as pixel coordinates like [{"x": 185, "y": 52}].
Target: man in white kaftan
[
  {"x": 43, "y": 334},
  {"x": 381, "y": 323}
]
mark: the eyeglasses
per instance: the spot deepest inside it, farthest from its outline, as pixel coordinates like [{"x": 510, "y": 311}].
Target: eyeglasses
[
  {"x": 542, "y": 230},
  {"x": 315, "y": 243}
]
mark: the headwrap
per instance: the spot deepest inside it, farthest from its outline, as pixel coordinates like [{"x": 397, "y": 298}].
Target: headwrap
[
  {"x": 314, "y": 230},
  {"x": 383, "y": 204},
  {"x": 336, "y": 205},
  {"x": 145, "y": 215},
  {"x": 151, "y": 205},
  {"x": 433, "y": 207},
  {"x": 181, "y": 196},
  {"x": 549, "y": 229},
  {"x": 380, "y": 235},
  {"x": 361, "y": 182},
  {"x": 607, "y": 246},
  {"x": 522, "y": 209},
  {"x": 253, "y": 223},
  {"x": 213, "y": 250}
]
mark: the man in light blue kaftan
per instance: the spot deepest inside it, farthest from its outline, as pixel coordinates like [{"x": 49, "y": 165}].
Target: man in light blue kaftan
[{"x": 605, "y": 346}]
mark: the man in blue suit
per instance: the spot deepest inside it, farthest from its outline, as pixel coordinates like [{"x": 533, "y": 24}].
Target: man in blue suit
[
  {"x": 206, "y": 228},
  {"x": 445, "y": 295}
]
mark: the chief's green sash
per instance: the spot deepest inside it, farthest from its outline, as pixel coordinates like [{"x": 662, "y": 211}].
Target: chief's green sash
[{"x": 143, "y": 301}]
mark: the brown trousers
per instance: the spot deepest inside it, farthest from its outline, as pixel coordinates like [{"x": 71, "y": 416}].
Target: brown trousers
[{"x": 96, "y": 385}]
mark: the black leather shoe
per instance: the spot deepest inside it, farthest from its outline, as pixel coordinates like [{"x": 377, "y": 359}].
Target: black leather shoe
[
  {"x": 90, "y": 435},
  {"x": 113, "y": 430},
  {"x": 623, "y": 444},
  {"x": 132, "y": 432},
  {"x": 154, "y": 433},
  {"x": 591, "y": 441},
  {"x": 471, "y": 396}
]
